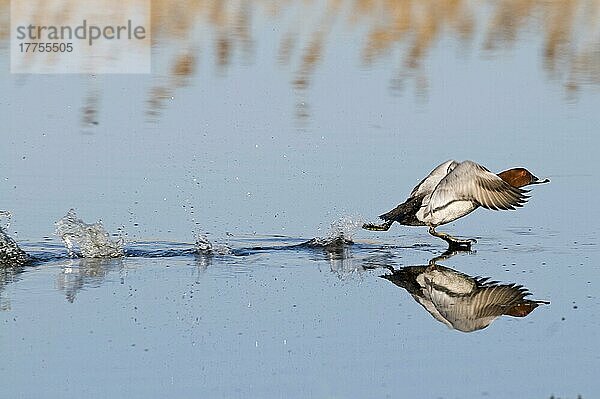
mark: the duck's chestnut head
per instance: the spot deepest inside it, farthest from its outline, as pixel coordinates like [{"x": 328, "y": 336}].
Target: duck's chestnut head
[{"x": 519, "y": 177}]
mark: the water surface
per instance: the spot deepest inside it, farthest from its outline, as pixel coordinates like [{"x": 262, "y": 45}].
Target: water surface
[{"x": 261, "y": 124}]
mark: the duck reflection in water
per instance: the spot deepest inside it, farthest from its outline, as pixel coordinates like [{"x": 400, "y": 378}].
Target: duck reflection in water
[{"x": 460, "y": 301}]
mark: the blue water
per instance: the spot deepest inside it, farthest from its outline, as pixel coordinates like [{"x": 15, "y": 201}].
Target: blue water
[{"x": 258, "y": 164}]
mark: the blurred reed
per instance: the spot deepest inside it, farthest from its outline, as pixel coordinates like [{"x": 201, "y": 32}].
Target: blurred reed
[{"x": 400, "y": 32}]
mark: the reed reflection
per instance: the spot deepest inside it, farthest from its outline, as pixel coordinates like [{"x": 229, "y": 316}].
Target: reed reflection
[
  {"x": 462, "y": 302},
  {"x": 406, "y": 31},
  {"x": 225, "y": 32}
]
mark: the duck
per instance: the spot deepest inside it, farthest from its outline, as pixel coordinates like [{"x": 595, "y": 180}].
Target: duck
[
  {"x": 453, "y": 190},
  {"x": 462, "y": 302}
]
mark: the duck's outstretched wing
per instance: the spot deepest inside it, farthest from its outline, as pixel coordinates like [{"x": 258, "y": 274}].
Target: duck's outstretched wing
[
  {"x": 477, "y": 310},
  {"x": 405, "y": 212},
  {"x": 426, "y": 186},
  {"x": 469, "y": 181}
]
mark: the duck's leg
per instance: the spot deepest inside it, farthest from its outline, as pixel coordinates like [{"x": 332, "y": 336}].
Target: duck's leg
[
  {"x": 432, "y": 264},
  {"x": 445, "y": 256},
  {"x": 385, "y": 226},
  {"x": 453, "y": 243}
]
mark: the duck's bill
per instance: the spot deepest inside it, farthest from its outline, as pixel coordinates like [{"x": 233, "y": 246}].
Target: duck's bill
[{"x": 537, "y": 180}]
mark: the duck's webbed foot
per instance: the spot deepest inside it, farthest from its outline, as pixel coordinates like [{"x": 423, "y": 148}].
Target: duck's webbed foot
[
  {"x": 454, "y": 244},
  {"x": 385, "y": 226}
]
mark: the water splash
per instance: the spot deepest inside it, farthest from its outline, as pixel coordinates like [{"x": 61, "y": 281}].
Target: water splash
[
  {"x": 87, "y": 240},
  {"x": 5, "y": 225},
  {"x": 10, "y": 253},
  {"x": 346, "y": 226},
  {"x": 341, "y": 232},
  {"x": 204, "y": 246}
]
